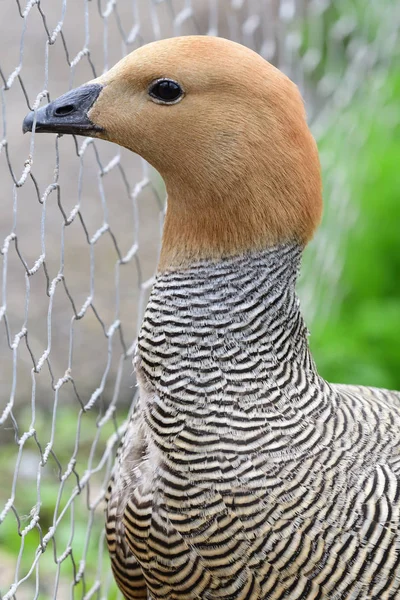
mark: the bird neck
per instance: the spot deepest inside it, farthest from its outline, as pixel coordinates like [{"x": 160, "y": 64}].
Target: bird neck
[
  {"x": 210, "y": 220},
  {"x": 227, "y": 338}
]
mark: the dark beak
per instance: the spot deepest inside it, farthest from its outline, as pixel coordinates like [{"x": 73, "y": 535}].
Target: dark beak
[{"x": 67, "y": 114}]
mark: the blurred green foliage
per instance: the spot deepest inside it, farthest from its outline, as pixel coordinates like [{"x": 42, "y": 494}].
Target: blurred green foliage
[
  {"x": 72, "y": 529},
  {"x": 361, "y": 341}
]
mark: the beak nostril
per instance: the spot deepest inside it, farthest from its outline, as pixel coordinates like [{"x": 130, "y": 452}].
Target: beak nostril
[
  {"x": 68, "y": 113},
  {"x": 67, "y": 109}
]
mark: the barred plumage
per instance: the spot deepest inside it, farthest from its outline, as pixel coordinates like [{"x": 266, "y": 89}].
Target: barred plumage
[
  {"x": 243, "y": 475},
  {"x": 256, "y": 478}
]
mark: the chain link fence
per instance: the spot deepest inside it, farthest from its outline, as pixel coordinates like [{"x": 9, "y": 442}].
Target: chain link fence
[{"x": 79, "y": 238}]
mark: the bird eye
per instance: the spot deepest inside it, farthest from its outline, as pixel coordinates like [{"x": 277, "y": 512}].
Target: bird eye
[{"x": 165, "y": 91}]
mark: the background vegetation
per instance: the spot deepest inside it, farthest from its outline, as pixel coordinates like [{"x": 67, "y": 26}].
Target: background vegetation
[{"x": 360, "y": 342}]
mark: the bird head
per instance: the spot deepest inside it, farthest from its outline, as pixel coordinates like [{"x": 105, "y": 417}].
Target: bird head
[{"x": 226, "y": 130}]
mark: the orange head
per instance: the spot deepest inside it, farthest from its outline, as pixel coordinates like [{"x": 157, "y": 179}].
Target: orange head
[{"x": 225, "y": 129}]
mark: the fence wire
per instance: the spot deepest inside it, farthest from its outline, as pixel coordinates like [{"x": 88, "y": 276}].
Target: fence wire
[{"x": 79, "y": 238}]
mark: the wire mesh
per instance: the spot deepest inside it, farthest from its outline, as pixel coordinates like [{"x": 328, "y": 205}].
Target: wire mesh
[{"x": 80, "y": 235}]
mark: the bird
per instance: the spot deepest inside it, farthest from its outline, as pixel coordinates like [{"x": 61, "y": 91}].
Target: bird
[{"x": 243, "y": 474}]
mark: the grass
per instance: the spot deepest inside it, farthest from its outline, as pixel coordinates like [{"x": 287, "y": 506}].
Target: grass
[
  {"x": 78, "y": 543},
  {"x": 360, "y": 342}
]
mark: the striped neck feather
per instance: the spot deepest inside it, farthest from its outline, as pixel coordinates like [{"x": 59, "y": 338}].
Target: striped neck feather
[{"x": 228, "y": 335}]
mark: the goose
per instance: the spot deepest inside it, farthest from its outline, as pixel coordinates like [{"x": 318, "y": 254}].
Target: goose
[{"x": 243, "y": 474}]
